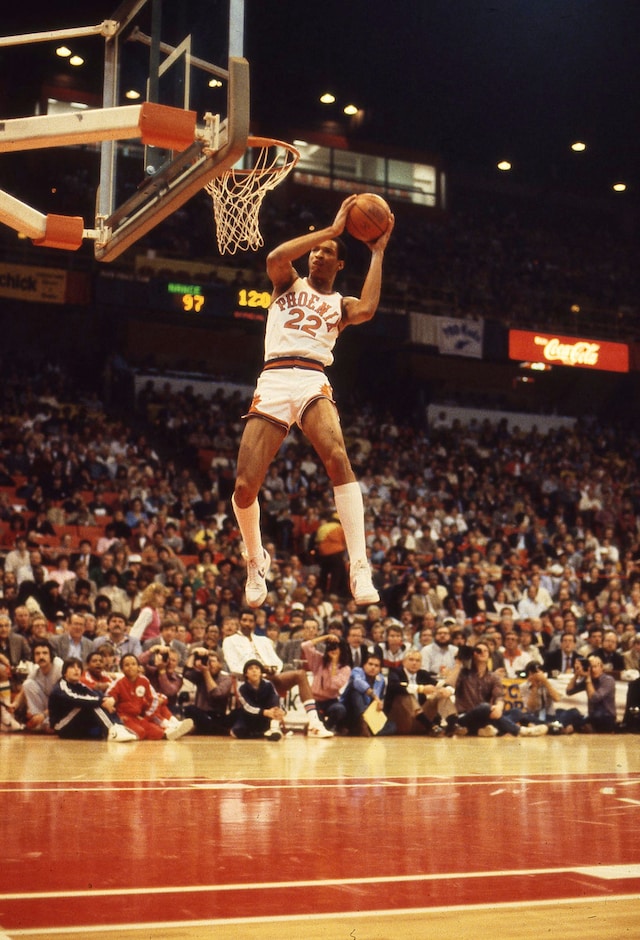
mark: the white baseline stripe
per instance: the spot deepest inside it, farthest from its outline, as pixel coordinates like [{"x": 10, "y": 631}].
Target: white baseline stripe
[
  {"x": 293, "y": 918},
  {"x": 98, "y": 787},
  {"x": 623, "y": 871}
]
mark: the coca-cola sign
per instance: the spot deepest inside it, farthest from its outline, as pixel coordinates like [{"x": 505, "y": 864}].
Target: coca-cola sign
[{"x": 572, "y": 351}]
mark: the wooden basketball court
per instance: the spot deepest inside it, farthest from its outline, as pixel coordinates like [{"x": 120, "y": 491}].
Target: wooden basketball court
[{"x": 361, "y": 839}]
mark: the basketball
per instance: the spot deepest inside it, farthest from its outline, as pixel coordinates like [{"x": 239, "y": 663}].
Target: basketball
[{"x": 368, "y": 218}]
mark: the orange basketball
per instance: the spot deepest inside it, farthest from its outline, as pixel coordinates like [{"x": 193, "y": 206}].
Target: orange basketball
[{"x": 368, "y": 218}]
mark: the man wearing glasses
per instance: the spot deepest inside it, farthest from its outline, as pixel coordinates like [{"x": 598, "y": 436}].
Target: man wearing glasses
[{"x": 480, "y": 699}]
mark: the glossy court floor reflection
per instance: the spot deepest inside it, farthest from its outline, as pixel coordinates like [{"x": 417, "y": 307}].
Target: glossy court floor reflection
[{"x": 348, "y": 838}]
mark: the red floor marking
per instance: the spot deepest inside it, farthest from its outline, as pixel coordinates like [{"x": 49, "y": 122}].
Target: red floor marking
[{"x": 183, "y": 834}]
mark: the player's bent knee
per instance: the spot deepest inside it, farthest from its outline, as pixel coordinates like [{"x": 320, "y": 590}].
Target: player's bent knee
[
  {"x": 338, "y": 466},
  {"x": 244, "y": 494}
]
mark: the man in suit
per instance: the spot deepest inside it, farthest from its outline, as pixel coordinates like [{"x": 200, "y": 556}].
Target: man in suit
[
  {"x": 563, "y": 659},
  {"x": 13, "y": 649},
  {"x": 414, "y": 700},
  {"x": 84, "y": 554},
  {"x": 357, "y": 648},
  {"x": 72, "y": 642},
  {"x": 13, "y": 646}
]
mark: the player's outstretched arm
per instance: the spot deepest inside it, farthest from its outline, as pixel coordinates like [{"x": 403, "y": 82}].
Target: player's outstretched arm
[
  {"x": 280, "y": 261},
  {"x": 360, "y": 309}
]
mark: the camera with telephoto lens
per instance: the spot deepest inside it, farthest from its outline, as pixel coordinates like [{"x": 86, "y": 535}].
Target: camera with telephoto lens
[
  {"x": 164, "y": 656},
  {"x": 202, "y": 658},
  {"x": 465, "y": 655}
]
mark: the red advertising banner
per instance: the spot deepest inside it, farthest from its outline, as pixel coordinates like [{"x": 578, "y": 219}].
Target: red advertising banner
[{"x": 572, "y": 351}]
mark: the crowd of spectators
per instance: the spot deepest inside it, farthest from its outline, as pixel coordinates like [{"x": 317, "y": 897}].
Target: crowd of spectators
[{"x": 117, "y": 536}]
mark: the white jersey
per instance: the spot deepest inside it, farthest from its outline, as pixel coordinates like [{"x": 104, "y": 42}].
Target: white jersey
[{"x": 303, "y": 322}]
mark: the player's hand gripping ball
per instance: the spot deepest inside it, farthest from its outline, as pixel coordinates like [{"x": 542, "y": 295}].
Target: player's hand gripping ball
[{"x": 368, "y": 218}]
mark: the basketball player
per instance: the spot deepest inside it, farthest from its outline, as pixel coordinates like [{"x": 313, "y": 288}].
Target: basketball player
[{"x": 305, "y": 318}]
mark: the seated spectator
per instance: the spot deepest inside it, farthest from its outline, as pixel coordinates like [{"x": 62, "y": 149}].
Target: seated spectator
[
  {"x": 112, "y": 588},
  {"x": 632, "y": 655},
  {"x": 514, "y": 658},
  {"x": 589, "y": 676},
  {"x": 393, "y": 648},
  {"x": 357, "y": 648},
  {"x": 612, "y": 658},
  {"x": 278, "y": 641},
  {"x": 210, "y": 712},
  {"x": 539, "y": 698},
  {"x": 117, "y": 636},
  {"x": 13, "y": 645},
  {"x": 14, "y": 651},
  {"x": 439, "y": 657},
  {"x": 161, "y": 665},
  {"x": 78, "y": 712},
  {"x": 529, "y": 643},
  {"x": 167, "y": 640},
  {"x": 496, "y": 658},
  {"x": 37, "y": 687},
  {"x": 413, "y": 698},
  {"x": 72, "y": 642},
  {"x": 331, "y": 671},
  {"x": 147, "y": 623},
  {"x": 95, "y": 676},
  {"x": 593, "y": 643},
  {"x": 563, "y": 659},
  {"x": 259, "y": 714},
  {"x": 366, "y": 685},
  {"x": 246, "y": 644},
  {"x": 62, "y": 573},
  {"x": 480, "y": 699},
  {"x": 140, "y": 708}
]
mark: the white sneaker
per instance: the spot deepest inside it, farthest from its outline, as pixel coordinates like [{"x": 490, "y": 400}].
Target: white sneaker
[
  {"x": 274, "y": 732},
  {"x": 533, "y": 731},
  {"x": 487, "y": 732},
  {"x": 121, "y": 734},
  {"x": 318, "y": 730},
  {"x": 177, "y": 731},
  {"x": 361, "y": 584},
  {"x": 256, "y": 586},
  {"x": 9, "y": 723}
]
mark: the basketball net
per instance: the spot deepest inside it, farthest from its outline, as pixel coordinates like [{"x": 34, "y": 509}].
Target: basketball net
[{"x": 238, "y": 194}]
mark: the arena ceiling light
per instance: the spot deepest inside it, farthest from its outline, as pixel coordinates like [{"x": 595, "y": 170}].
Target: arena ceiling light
[
  {"x": 578, "y": 146},
  {"x": 327, "y": 98}
]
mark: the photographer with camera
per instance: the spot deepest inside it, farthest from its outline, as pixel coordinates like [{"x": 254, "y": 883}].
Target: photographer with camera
[
  {"x": 168, "y": 634},
  {"x": 161, "y": 666},
  {"x": 214, "y": 688},
  {"x": 589, "y": 676},
  {"x": 480, "y": 699},
  {"x": 331, "y": 671}
]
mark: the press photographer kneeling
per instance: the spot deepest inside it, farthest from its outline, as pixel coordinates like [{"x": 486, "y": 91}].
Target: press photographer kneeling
[
  {"x": 589, "y": 676},
  {"x": 214, "y": 687}
]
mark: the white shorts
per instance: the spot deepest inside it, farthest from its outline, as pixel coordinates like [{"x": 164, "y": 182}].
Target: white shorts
[{"x": 283, "y": 395}]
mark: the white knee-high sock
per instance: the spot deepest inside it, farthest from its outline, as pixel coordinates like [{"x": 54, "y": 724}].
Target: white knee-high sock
[
  {"x": 350, "y": 507},
  {"x": 249, "y": 525}
]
